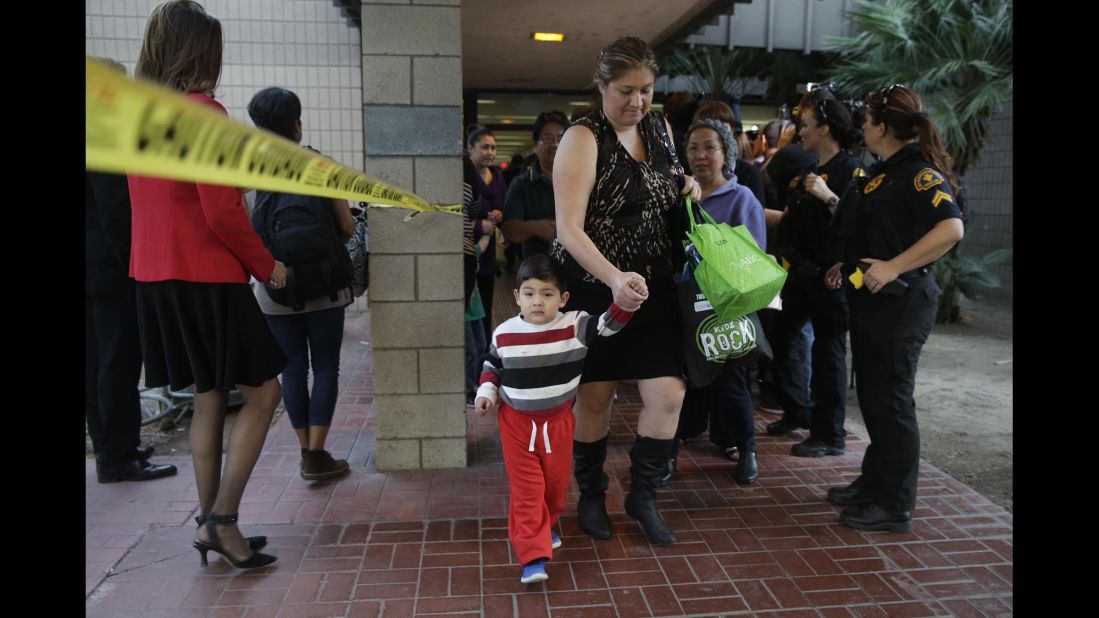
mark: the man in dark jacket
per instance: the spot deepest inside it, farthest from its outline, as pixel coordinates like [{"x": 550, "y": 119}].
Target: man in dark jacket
[{"x": 112, "y": 362}]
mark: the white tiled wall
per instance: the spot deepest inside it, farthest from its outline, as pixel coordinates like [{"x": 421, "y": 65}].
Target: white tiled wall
[{"x": 307, "y": 46}]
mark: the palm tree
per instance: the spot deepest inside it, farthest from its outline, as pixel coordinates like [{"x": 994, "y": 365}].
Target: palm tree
[
  {"x": 715, "y": 71},
  {"x": 957, "y": 54}
]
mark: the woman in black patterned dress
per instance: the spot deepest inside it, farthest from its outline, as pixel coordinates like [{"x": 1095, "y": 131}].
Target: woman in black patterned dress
[{"x": 616, "y": 195}]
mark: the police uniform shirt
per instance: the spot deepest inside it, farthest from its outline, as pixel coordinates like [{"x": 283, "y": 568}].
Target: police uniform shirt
[
  {"x": 804, "y": 229},
  {"x": 904, "y": 198}
]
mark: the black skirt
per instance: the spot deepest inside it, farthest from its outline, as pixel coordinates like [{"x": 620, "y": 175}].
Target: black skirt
[
  {"x": 648, "y": 347},
  {"x": 212, "y": 335}
]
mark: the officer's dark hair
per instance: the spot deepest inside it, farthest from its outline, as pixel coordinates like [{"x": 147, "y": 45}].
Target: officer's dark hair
[
  {"x": 477, "y": 135},
  {"x": 275, "y": 109},
  {"x": 772, "y": 131},
  {"x": 680, "y": 109},
  {"x": 902, "y": 112},
  {"x": 843, "y": 125},
  {"x": 543, "y": 268},
  {"x": 547, "y": 117}
]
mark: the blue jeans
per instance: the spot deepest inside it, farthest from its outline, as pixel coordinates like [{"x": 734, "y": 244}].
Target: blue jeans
[
  {"x": 315, "y": 339},
  {"x": 476, "y": 347}
]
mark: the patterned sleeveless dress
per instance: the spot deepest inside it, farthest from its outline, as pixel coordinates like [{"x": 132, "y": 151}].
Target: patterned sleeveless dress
[{"x": 629, "y": 219}]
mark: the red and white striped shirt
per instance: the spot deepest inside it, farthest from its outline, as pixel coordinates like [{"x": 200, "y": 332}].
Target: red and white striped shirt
[{"x": 535, "y": 368}]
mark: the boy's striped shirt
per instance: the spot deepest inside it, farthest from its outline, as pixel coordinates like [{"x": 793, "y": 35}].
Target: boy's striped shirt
[{"x": 536, "y": 368}]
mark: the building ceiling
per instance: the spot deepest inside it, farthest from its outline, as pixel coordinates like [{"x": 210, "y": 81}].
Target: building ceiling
[{"x": 498, "y": 52}]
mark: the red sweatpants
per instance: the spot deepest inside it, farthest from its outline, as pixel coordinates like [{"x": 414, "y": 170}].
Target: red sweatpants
[{"x": 538, "y": 476}]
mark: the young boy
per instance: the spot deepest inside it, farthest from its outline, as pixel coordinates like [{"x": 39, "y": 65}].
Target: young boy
[{"x": 533, "y": 367}]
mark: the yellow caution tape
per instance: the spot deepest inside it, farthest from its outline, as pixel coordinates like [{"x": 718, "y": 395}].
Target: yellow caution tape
[
  {"x": 137, "y": 127},
  {"x": 856, "y": 278}
]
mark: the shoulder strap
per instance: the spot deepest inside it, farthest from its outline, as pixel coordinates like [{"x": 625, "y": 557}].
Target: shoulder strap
[{"x": 662, "y": 129}]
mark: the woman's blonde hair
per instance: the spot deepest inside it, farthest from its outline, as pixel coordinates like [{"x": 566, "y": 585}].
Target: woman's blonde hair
[{"x": 622, "y": 55}]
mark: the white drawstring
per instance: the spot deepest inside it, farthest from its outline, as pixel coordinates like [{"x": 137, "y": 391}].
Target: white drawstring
[
  {"x": 534, "y": 435},
  {"x": 545, "y": 436}
]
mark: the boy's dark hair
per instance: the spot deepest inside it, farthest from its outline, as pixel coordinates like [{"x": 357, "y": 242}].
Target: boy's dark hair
[{"x": 543, "y": 268}]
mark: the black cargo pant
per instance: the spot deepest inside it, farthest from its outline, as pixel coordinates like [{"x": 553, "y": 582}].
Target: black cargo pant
[
  {"x": 807, "y": 298},
  {"x": 887, "y": 334}
]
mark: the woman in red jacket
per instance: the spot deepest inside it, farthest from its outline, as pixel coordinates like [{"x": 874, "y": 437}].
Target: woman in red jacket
[{"x": 193, "y": 251}]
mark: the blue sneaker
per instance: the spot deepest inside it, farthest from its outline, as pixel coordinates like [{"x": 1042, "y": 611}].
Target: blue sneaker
[
  {"x": 534, "y": 571},
  {"x": 555, "y": 541}
]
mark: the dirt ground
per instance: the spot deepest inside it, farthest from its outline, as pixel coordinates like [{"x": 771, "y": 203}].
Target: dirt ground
[
  {"x": 964, "y": 400},
  {"x": 964, "y": 397}
]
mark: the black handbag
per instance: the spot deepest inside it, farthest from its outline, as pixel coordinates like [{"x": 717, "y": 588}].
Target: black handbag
[{"x": 710, "y": 342}]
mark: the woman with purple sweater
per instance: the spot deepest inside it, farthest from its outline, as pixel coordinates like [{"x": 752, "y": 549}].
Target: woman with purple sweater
[{"x": 712, "y": 155}]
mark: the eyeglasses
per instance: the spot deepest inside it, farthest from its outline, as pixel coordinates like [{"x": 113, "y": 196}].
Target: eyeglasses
[{"x": 550, "y": 139}]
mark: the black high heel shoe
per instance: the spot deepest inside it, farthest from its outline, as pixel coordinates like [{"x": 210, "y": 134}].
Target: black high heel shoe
[
  {"x": 254, "y": 561},
  {"x": 254, "y": 542}
]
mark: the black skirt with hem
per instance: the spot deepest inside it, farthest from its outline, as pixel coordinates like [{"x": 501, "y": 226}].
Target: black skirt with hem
[
  {"x": 212, "y": 335},
  {"x": 648, "y": 347}
]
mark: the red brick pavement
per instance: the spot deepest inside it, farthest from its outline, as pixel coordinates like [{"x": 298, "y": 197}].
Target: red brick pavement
[{"x": 435, "y": 542}]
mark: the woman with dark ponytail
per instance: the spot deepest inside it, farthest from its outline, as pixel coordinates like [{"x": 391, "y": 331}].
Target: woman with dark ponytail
[
  {"x": 906, "y": 219},
  {"x": 829, "y": 131}
]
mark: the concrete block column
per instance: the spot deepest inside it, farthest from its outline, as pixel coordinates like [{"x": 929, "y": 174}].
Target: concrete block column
[{"x": 412, "y": 127}]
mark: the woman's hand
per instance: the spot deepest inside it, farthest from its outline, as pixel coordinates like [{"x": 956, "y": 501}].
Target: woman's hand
[
  {"x": 278, "y": 276},
  {"x": 627, "y": 291},
  {"x": 495, "y": 216},
  {"x": 834, "y": 277},
  {"x": 691, "y": 186},
  {"x": 880, "y": 274},
  {"x": 816, "y": 187}
]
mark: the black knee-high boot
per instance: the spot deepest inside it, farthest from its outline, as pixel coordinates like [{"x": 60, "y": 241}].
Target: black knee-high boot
[
  {"x": 587, "y": 460},
  {"x": 648, "y": 461}
]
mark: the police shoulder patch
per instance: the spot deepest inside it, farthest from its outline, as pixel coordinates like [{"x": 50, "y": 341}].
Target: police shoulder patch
[
  {"x": 928, "y": 178},
  {"x": 874, "y": 182}
]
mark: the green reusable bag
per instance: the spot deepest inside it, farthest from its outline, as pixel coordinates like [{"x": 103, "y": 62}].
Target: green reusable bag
[{"x": 734, "y": 274}]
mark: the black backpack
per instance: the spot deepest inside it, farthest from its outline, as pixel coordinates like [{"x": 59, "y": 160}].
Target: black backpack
[{"x": 300, "y": 231}]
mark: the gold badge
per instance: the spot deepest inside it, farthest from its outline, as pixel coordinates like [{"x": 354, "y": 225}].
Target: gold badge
[
  {"x": 794, "y": 182},
  {"x": 824, "y": 177},
  {"x": 928, "y": 178},
  {"x": 858, "y": 173},
  {"x": 873, "y": 184},
  {"x": 940, "y": 196}
]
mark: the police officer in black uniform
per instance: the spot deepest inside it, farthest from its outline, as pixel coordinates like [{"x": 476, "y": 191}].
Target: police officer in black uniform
[
  {"x": 827, "y": 129},
  {"x": 906, "y": 218}
]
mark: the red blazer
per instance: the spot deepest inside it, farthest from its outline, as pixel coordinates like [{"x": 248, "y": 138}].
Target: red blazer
[{"x": 193, "y": 232}]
